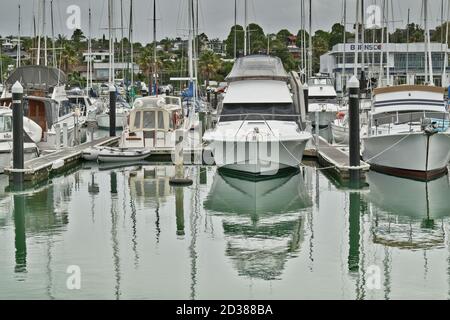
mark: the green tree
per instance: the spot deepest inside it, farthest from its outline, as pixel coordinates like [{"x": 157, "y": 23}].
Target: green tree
[
  {"x": 209, "y": 65},
  {"x": 239, "y": 41}
]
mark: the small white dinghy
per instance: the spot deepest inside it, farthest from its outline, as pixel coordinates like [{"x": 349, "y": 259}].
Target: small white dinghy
[{"x": 123, "y": 154}]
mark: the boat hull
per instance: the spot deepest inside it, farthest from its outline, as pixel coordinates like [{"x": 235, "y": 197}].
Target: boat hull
[
  {"x": 103, "y": 120},
  {"x": 416, "y": 155},
  {"x": 325, "y": 118},
  {"x": 6, "y": 157},
  {"x": 258, "y": 157},
  {"x": 113, "y": 155},
  {"x": 340, "y": 133}
]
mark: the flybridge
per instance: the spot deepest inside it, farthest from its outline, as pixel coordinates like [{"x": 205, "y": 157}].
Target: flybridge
[{"x": 258, "y": 67}]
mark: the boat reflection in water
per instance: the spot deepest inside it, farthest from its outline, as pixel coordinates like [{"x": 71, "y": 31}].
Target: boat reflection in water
[
  {"x": 151, "y": 183},
  {"x": 263, "y": 220},
  {"x": 409, "y": 214}
]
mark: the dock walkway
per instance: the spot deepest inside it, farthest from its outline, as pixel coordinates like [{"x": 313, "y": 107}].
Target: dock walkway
[
  {"x": 335, "y": 158},
  {"x": 40, "y": 168}
]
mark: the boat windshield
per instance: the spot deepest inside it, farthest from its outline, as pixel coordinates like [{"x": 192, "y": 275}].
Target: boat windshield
[
  {"x": 409, "y": 117},
  {"x": 151, "y": 120},
  {"x": 5, "y": 124},
  {"x": 258, "y": 111},
  {"x": 323, "y": 99},
  {"x": 320, "y": 82},
  {"x": 78, "y": 101}
]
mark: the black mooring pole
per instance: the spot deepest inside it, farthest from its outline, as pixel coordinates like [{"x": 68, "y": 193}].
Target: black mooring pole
[
  {"x": 353, "y": 86},
  {"x": 18, "y": 158},
  {"x": 112, "y": 111}
]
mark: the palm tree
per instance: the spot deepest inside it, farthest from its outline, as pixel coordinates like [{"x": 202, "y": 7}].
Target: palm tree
[
  {"x": 69, "y": 57},
  {"x": 209, "y": 64}
]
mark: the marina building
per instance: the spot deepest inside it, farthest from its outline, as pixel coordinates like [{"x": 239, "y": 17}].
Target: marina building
[{"x": 406, "y": 62}]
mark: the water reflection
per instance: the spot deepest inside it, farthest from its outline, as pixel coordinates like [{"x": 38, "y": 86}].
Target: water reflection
[
  {"x": 408, "y": 214},
  {"x": 262, "y": 220},
  {"x": 20, "y": 237}
]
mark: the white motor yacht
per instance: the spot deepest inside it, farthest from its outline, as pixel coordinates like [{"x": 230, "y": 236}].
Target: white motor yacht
[
  {"x": 322, "y": 98},
  {"x": 408, "y": 132},
  {"x": 258, "y": 129}
]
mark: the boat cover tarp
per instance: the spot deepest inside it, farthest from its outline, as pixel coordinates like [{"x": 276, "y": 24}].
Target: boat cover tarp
[{"x": 37, "y": 77}]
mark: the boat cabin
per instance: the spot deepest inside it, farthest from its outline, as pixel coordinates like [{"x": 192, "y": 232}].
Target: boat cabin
[
  {"x": 407, "y": 104},
  {"x": 153, "y": 121}
]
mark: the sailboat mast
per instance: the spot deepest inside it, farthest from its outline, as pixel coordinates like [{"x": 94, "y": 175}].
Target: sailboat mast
[
  {"x": 19, "y": 51},
  {"x": 363, "y": 38},
  {"x": 44, "y": 31},
  {"x": 89, "y": 71},
  {"x": 190, "y": 48},
  {"x": 355, "y": 67},
  {"x": 343, "y": 78},
  {"x": 245, "y": 26},
  {"x": 196, "y": 47},
  {"x": 381, "y": 72},
  {"x": 132, "y": 48},
  {"x": 154, "y": 49},
  {"x": 111, "y": 42},
  {"x": 54, "y": 64},
  {"x": 38, "y": 56},
  {"x": 427, "y": 44},
  {"x": 444, "y": 73},
  {"x": 235, "y": 31},
  {"x": 407, "y": 47},
  {"x": 310, "y": 51},
  {"x": 388, "y": 69}
]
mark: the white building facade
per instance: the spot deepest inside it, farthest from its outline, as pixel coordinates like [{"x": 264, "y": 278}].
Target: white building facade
[{"x": 406, "y": 63}]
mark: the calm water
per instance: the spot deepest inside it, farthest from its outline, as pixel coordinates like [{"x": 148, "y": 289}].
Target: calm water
[{"x": 297, "y": 236}]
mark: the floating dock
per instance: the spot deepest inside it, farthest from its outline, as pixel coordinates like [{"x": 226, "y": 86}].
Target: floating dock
[
  {"x": 334, "y": 158},
  {"x": 39, "y": 169}
]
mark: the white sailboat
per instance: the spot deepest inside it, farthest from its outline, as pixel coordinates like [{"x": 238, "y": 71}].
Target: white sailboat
[
  {"x": 46, "y": 103},
  {"x": 258, "y": 130},
  {"x": 122, "y": 107}
]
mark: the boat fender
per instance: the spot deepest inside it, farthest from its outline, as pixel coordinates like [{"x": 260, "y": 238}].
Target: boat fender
[{"x": 340, "y": 115}]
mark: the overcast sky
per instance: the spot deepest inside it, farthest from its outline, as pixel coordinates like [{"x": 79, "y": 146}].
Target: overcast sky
[{"x": 216, "y": 16}]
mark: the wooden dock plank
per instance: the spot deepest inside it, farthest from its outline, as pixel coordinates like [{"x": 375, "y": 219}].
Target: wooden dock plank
[{"x": 337, "y": 159}]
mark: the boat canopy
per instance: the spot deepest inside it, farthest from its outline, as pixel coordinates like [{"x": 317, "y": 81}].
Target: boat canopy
[
  {"x": 258, "y": 67},
  {"x": 37, "y": 78},
  {"x": 407, "y": 98},
  {"x": 258, "y": 91}
]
